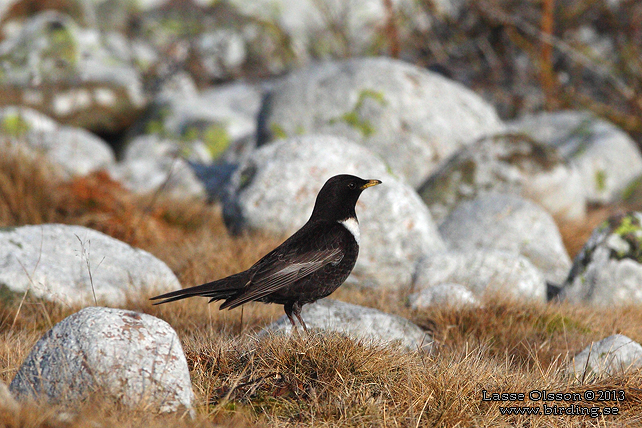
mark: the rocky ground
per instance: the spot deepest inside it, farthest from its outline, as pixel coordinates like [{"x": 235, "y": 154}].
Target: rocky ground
[{"x": 153, "y": 145}]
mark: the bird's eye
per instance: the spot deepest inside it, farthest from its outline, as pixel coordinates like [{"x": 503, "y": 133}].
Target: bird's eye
[{"x": 352, "y": 185}]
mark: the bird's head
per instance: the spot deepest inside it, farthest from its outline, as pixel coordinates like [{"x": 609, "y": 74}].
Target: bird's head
[{"x": 338, "y": 197}]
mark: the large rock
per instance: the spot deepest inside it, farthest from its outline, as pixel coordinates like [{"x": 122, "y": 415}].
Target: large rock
[
  {"x": 220, "y": 117},
  {"x": 330, "y": 28},
  {"x": 413, "y": 118},
  {"x": 133, "y": 358},
  {"x": 68, "y": 72},
  {"x": 68, "y": 264},
  {"x": 209, "y": 39},
  {"x": 151, "y": 163},
  {"x": 507, "y": 163},
  {"x": 508, "y": 222},
  {"x": 76, "y": 151},
  {"x": 608, "y": 357},
  {"x": 607, "y": 158},
  {"x": 358, "y": 322},
  {"x": 275, "y": 190},
  {"x": 442, "y": 295},
  {"x": 608, "y": 269},
  {"x": 484, "y": 272}
]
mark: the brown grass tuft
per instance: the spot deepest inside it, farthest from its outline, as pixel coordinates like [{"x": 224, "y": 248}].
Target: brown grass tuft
[{"x": 25, "y": 184}]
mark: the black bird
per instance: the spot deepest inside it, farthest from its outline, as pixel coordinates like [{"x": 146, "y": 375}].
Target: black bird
[{"x": 308, "y": 266}]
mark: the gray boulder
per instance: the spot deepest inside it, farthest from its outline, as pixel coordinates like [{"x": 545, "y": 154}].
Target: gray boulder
[
  {"x": 608, "y": 269},
  {"x": 607, "y": 158},
  {"x": 130, "y": 357},
  {"x": 151, "y": 163},
  {"x": 75, "y": 151},
  {"x": 358, "y": 322},
  {"x": 222, "y": 118},
  {"x": 237, "y": 106},
  {"x": 510, "y": 223},
  {"x": 411, "y": 117},
  {"x": 507, "y": 163},
  {"x": 444, "y": 294},
  {"x": 68, "y": 264},
  {"x": 210, "y": 39},
  {"x": 68, "y": 73},
  {"x": 275, "y": 189},
  {"x": 483, "y": 272},
  {"x": 330, "y": 28},
  {"x": 608, "y": 357}
]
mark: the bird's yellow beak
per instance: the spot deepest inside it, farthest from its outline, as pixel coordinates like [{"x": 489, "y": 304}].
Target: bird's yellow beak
[{"x": 370, "y": 183}]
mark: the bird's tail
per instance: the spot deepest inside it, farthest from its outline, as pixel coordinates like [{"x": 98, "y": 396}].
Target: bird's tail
[{"x": 215, "y": 290}]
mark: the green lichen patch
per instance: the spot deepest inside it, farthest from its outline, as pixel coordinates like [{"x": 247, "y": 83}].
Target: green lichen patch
[
  {"x": 278, "y": 132},
  {"x": 354, "y": 116},
  {"x": 156, "y": 122},
  {"x": 352, "y": 119},
  {"x": 600, "y": 180},
  {"x": 365, "y": 94},
  {"x": 191, "y": 133},
  {"x": 17, "y": 244},
  {"x": 14, "y": 125},
  {"x": 629, "y": 230},
  {"x": 628, "y": 225},
  {"x": 213, "y": 135},
  {"x": 62, "y": 45},
  {"x": 155, "y": 127},
  {"x": 216, "y": 139}
]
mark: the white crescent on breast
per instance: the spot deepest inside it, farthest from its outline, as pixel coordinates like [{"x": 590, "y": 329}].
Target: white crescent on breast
[{"x": 353, "y": 227}]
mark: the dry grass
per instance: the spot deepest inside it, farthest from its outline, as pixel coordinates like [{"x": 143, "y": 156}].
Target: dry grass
[{"x": 307, "y": 380}]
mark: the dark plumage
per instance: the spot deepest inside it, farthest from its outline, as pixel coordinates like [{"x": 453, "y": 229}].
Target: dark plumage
[{"x": 309, "y": 265}]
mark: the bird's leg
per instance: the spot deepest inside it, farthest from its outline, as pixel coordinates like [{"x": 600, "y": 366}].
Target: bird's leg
[
  {"x": 288, "y": 308},
  {"x": 296, "y": 308}
]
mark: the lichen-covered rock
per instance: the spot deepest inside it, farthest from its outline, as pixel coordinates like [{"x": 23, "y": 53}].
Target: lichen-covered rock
[
  {"x": 507, "y": 163},
  {"x": 608, "y": 357},
  {"x": 607, "y": 158},
  {"x": 411, "y": 117},
  {"x": 151, "y": 163},
  {"x": 442, "y": 295},
  {"x": 68, "y": 264},
  {"x": 608, "y": 269},
  {"x": 510, "y": 223},
  {"x": 210, "y": 39},
  {"x": 222, "y": 118},
  {"x": 331, "y": 28},
  {"x": 67, "y": 72},
  {"x": 130, "y": 357},
  {"x": 483, "y": 272},
  {"x": 275, "y": 189},
  {"x": 75, "y": 151},
  {"x": 358, "y": 322}
]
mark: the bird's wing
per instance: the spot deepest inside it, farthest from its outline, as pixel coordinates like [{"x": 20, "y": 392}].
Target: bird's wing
[{"x": 289, "y": 263}]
